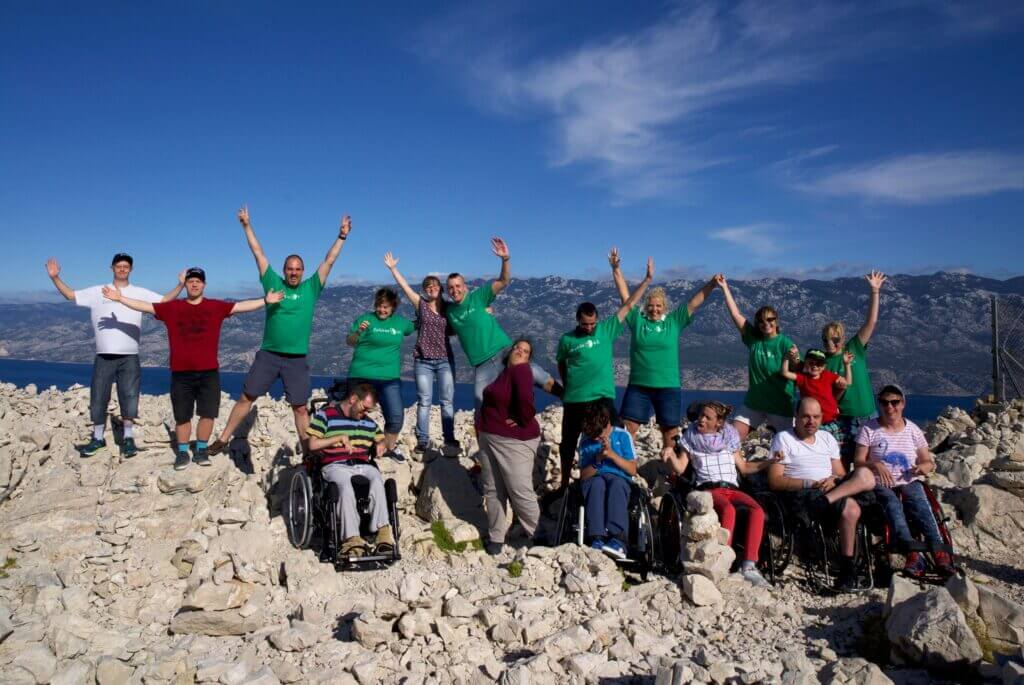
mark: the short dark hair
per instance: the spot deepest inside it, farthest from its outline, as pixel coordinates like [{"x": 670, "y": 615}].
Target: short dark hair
[
  {"x": 454, "y": 274},
  {"x": 122, "y": 257},
  {"x": 294, "y": 256},
  {"x": 595, "y": 418},
  {"x": 363, "y": 391},
  {"x": 386, "y": 295},
  {"x": 586, "y": 309}
]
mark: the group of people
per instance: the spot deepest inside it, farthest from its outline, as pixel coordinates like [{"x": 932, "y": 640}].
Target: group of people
[{"x": 836, "y": 416}]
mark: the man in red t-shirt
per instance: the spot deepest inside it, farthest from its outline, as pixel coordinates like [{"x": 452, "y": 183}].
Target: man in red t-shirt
[
  {"x": 814, "y": 380},
  {"x": 193, "y": 335}
]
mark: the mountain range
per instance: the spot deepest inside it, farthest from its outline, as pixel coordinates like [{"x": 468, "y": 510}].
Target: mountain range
[{"x": 933, "y": 335}]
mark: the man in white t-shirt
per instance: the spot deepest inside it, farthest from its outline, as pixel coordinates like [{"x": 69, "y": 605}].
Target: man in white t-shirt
[
  {"x": 117, "y": 330},
  {"x": 811, "y": 476}
]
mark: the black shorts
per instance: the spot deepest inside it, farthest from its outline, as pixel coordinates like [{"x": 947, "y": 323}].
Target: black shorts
[
  {"x": 195, "y": 392},
  {"x": 292, "y": 369}
]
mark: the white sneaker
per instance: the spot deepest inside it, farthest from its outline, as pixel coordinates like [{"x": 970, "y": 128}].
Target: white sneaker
[{"x": 754, "y": 577}]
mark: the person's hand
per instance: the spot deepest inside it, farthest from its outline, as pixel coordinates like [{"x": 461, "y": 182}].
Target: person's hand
[
  {"x": 848, "y": 357},
  {"x": 875, "y": 279},
  {"x": 883, "y": 474},
  {"x": 112, "y": 293},
  {"x": 243, "y": 216},
  {"x": 363, "y": 326},
  {"x": 720, "y": 281},
  {"x": 345, "y": 227},
  {"x": 667, "y": 452},
  {"x": 52, "y": 268},
  {"x": 499, "y": 248},
  {"x": 650, "y": 269},
  {"x": 826, "y": 484},
  {"x": 390, "y": 261},
  {"x": 344, "y": 443},
  {"x": 613, "y": 258},
  {"x": 794, "y": 353},
  {"x": 273, "y": 296},
  {"x": 775, "y": 458},
  {"x": 511, "y": 423}
]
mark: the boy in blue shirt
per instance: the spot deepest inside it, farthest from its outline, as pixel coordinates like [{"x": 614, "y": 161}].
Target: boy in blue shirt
[{"x": 607, "y": 466}]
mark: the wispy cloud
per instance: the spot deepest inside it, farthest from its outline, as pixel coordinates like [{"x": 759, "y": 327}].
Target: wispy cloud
[
  {"x": 925, "y": 178},
  {"x": 761, "y": 238},
  {"x": 631, "y": 109}
]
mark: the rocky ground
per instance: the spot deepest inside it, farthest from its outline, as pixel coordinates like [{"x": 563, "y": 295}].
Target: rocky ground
[{"x": 126, "y": 571}]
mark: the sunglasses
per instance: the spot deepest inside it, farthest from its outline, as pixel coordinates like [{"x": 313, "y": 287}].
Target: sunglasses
[
  {"x": 835, "y": 341},
  {"x": 891, "y": 403},
  {"x": 768, "y": 319}
]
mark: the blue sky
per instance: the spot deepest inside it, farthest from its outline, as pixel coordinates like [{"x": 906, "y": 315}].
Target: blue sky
[{"x": 757, "y": 138}]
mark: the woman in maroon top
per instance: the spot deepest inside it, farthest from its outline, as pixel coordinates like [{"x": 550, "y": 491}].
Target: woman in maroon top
[{"x": 509, "y": 434}]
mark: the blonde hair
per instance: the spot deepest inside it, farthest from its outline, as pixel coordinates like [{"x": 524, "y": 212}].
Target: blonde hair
[
  {"x": 836, "y": 327},
  {"x": 656, "y": 294}
]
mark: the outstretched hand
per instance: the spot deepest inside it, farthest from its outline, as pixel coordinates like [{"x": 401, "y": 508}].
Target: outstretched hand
[
  {"x": 650, "y": 268},
  {"x": 390, "y": 261},
  {"x": 345, "y": 227},
  {"x": 243, "y": 216},
  {"x": 614, "y": 259},
  {"x": 52, "y": 267},
  {"x": 112, "y": 293},
  {"x": 875, "y": 279},
  {"x": 794, "y": 353},
  {"x": 273, "y": 296},
  {"x": 499, "y": 248},
  {"x": 720, "y": 281},
  {"x": 847, "y": 357}
]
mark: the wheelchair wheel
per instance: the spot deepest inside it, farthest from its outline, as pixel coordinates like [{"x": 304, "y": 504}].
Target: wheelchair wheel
[
  {"x": 670, "y": 533},
  {"x": 569, "y": 525},
  {"x": 645, "y": 541},
  {"x": 391, "y": 493},
  {"x": 777, "y": 542},
  {"x": 300, "y": 509}
]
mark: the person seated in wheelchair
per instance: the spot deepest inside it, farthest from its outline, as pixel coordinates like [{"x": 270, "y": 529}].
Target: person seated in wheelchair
[
  {"x": 345, "y": 438},
  {"x": 810, "y": 475},
  {"x": 896, "y": 452},
  {"x": 713, "y": 447},
  {"x": 607, "y": 467}
]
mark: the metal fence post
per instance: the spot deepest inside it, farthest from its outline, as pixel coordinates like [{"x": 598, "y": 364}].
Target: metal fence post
[{"x": 997, "y": 389}]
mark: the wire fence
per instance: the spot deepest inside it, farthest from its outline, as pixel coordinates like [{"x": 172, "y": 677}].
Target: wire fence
[{"x": 1008, "y": 347}]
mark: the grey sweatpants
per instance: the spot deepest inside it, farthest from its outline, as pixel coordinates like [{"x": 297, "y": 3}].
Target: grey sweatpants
[
  {"x": 348, "y": 517},
  {"x": 507, "y": 468}
]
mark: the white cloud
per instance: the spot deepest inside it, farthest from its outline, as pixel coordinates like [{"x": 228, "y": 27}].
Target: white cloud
[
  {"x": 762, "y": 238},
  {"x": 926, "y": 178}
]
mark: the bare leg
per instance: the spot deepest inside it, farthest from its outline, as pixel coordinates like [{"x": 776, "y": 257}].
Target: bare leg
[
  {"x": 238, "y": 413},
  {"x": 301, "y": 415},
  {"x": 204, "y": 430},
  {"x": 183, "y": 432},
  {"x": 631, "y": 426},
  {"x": 848, "y": 528},
  {"x": 861, "y": 481}
]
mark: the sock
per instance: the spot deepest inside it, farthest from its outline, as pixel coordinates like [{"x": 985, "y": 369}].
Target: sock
[
  {"x": 200, "y": 444},
  {"x": 97, "y": 431},
  {"x": 183, "y": 447},
  {"x": 129, "y": 429}
]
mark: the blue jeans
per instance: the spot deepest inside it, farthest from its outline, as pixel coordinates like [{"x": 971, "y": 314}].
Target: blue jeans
[
  {"x": 108, "y": 369},
  {"x": 389, "y": 394},
  {"x": 606, "y": 502},
  {"x": 908, "y": 501},
  {"x": 428, "y": 371},
  {"x": 485, "y": 373}
]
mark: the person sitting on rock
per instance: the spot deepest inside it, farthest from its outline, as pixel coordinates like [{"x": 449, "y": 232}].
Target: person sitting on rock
[
  {"x": 814, "y": 380},
  {"x": 344, "y": 435},
  {"x": 607, "y": 467},
  {"x": 713, "y": 446},
  {"x": 810, "y": 475},
  {"x": 896, "y": 451}
]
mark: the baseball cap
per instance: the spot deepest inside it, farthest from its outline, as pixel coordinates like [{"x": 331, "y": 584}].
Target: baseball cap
[
  {"x": 195, "y": 272},
  {"x": 816, "y": 354},
  {"x": 122, "y": 257},
  {"x": 892, "y": 389}
]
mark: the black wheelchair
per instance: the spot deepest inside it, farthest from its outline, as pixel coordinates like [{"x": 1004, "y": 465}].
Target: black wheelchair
[
  {"x": 312, "y": 512},
  {"x": 640, "y": 550}
]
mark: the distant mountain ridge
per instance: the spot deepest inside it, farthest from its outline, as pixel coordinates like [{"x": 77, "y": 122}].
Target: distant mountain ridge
[{"x": 933, "y": 335}]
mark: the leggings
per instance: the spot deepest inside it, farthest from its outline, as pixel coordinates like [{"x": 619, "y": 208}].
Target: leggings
[{"x": 724, "y": 499}]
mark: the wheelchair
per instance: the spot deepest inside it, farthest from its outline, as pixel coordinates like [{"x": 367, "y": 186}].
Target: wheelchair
[
  {"x": 888, "y": 554},
  {"x": 312, "y": 513},
  {"x": 640, "y": 550}
]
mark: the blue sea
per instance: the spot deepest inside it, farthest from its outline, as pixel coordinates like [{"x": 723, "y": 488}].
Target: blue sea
[{"x": 156, "y": 381}]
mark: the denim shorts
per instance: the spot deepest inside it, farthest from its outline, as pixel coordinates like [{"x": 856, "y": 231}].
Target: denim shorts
[{"x": 638, "y": 401}]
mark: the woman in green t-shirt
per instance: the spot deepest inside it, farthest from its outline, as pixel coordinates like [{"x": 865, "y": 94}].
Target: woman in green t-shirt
[
  {"x": 857, "y": 405},
  {"x": 769, "y": 396},
  {"x": 377, "y": 359}
]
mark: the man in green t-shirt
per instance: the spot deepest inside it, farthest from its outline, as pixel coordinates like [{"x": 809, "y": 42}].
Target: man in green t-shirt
[
  {"x": 480, "y": 335},
  {"x": 585, "y": 363},
  {"x": 285, "y": 333},
  {"x": 857, "y": 405}
]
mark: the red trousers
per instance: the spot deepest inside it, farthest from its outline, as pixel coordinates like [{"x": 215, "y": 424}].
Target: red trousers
[{"x": 725, "y": 499}]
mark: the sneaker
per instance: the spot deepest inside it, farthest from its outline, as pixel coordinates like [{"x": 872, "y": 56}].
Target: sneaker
[
  {"x": 128, "y": 448},
  {"x": 385, "y": 540},
  {"x": 420, "y": 448},
  {"x": 202, "y": 457},
  {"x": 494, "y": 548},
  {"x": 597, "y": 544},
  {"x": 217, "y": 446},
  {"x": 396, "y": 454},
  {"x": 614, "y": 549},
  {"x": 847, "y": 582},
  {"x": 451, "y": 449},
  {"x": 753, "y": 576},
  {"x": 944, "y": 563},
  {"x": 93, "y": 447},
  {"x": 181, "y": 461},
  {"x": 354, "y": 546},
  {"x": 915, "y": 566}
]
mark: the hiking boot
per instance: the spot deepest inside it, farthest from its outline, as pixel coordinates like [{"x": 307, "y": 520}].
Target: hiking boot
[
  {"x": 354, "y": 546},
  {"x": 93, "y": 447},
  {"x": 201, "y": 456},
  {"x": 915, "y": 566},
  {"x": 494, "y": 548},
  {"x": 385, "y": 540},
  {"x": 420, "y": 448},
  {"x": 944, "y": 563},
  {"x": 847, "y": 582},
  {"x": 181, "y": 461},
  {"x": 396, "y": 454},
  {"x": 128, "y": 448},
  {"x": 217, "y": 446}
]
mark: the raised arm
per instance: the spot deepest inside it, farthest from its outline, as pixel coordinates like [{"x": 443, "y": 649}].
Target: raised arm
[
  {"x": 272, "y": 297},
  {"x": 698, "y": 298},
  {"x": 176, "y": 290},
  {"x": 730, "y": 303},
  {"x": 254, "y": 244},
  {"x": 785, "y": 372},
  {"x": 53, "y": 271},
  {"x": 500, "y": 249},
  {"x": 353, "y": 338},
  {"x": 391, "y": 262},
  {"x": 620, "y": 281},
  {"x": 631, "y": 301},
  {"x": 875, "y": 279},
  {"x": 846, "y": 380},
  {"x": 113, "y": 293},
  {"x": 324, "y": 270}
]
